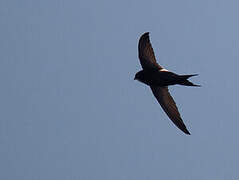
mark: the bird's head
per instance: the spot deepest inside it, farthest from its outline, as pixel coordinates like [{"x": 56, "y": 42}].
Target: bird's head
[
  {"x": 138, "y": 76},
  {"x": 135, "y": 77}
]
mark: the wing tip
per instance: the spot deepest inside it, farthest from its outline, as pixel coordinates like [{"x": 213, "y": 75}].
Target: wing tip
[
  {"x": 186, "y": 131},
  {"x": 146, "y": 34}
]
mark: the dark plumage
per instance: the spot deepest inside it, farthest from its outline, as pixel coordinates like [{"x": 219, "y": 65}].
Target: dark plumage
[{"x": 158, "y": 78}]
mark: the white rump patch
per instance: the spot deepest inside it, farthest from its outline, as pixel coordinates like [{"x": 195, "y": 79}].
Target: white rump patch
[{"x": 163, "y": 69}]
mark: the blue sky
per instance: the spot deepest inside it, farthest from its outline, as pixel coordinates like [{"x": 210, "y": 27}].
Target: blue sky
[{"x": 70, "y": 108}]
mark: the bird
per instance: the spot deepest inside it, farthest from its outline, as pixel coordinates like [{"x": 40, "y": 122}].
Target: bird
[{"x": 158, "y": 79}]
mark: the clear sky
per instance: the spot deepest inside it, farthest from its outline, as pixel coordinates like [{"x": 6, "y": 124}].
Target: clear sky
[{"x": 70, "y": 109}]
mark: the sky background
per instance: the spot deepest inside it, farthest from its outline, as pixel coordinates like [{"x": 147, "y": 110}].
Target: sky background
[{"x": 70, "y": 109}]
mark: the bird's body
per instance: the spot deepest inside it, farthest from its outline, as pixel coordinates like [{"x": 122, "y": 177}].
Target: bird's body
[
  {"x": 162, "y": 78},
  {"x": 158, "y": 78}
]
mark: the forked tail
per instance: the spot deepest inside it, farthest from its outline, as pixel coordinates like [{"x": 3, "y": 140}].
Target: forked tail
[{"x": 186, "y": 82}]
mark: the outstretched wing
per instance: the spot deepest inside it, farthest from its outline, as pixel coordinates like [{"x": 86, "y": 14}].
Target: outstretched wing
[
  {"x": 169, "y": 106},
  {"x": 146, "y": 53}
]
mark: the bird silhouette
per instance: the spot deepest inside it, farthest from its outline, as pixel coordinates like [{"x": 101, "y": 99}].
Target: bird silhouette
[{"x": 159, "y": 78}]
